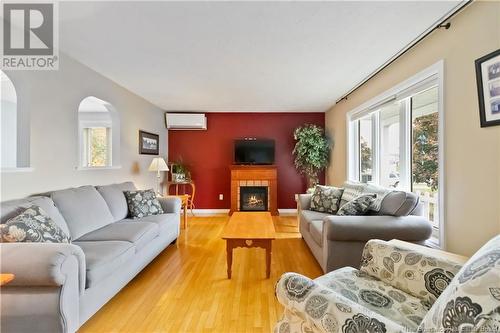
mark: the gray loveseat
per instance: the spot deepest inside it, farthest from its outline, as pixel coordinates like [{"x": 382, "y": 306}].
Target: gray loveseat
[
  {"x": 57, "y": 287},
  {"x": 338, "y": 241}
]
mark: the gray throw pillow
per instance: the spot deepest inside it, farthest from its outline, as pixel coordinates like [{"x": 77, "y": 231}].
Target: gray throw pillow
[
  {"x": 325, "y": 199},
  {"x": 32, "y": 225},
  {"x": 142, "y": 203},
  {"x": 358, "y": 206}
]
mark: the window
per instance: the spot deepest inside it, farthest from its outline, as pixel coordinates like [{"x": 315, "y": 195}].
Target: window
[
  {"x": 97, "y": 146},
  {"x": 99, "y": 134},
  {"x": 365, "y": 147},
  {"x": 394, "y": 142},
  {"x": 9, "y": 122}
]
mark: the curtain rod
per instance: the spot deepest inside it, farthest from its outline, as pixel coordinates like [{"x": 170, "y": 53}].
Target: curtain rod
[{"x": 409, "y": 46}]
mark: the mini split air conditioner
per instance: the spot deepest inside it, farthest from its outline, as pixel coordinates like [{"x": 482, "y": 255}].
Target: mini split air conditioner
[{"x": 186, "y": 121}]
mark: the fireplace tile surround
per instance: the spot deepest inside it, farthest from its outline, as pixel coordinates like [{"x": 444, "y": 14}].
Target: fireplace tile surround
[{"x": 254, "y": 175}]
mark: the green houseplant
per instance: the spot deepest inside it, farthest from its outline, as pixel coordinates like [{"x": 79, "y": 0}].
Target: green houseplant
[{"x": 312, "y": 152}]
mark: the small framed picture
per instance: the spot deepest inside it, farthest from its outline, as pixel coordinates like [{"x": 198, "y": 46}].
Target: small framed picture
[
  {"x": 488, "y": 88},
  {"x": 149, "y": 143}
]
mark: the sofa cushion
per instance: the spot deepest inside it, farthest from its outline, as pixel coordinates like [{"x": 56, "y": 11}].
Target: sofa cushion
[
  {"x": 358, "y": 206},
  {"x": 316, "y": 231},
  {"x": 83, "y": 208},
  {"x": 103, "y": 258},
  {"x": 32, "y": 225},
  {"x": 376, "y": 295},
  {"x": 136, "y": 232},
  {"x": 142, "y": 203},
  {"x": 9, "y": 209},
  {"x": 352, "y": 190},
  {"x": 115, "y": 199},
  {"x": 326, "y": 199},
  {"x": 307, "y": 216},
  {"x": 471, "y": 303},
  {"x": 168, "y": 221},
  {"x": 398, "y": 203}
]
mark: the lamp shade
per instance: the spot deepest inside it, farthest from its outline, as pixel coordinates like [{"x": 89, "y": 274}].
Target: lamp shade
[{"x": 158, "y": 164}]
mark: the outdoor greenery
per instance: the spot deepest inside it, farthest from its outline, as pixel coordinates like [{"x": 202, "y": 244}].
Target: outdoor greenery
[
  {"x": 312, "y": 152},
  {"x": 99, "y": 144},
  {"x": 425, "y": 150}
]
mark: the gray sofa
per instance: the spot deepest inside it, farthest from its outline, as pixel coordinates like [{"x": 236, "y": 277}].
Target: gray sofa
[
  {"x": 338, "y": 241},
  {"x": 57, "y": 287}
]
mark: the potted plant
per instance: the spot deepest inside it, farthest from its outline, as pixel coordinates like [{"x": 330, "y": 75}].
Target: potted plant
[
  {"x": 312, "y": 152},
  {"x": 180, "y": 172}
]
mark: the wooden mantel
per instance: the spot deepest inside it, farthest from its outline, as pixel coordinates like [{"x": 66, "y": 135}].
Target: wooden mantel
[{"x": 255, "y": 173}]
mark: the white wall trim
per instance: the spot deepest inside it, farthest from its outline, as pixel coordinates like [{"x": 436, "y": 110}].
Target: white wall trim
[
  {"x": 203, "y": 212},
  {"x": 207, "y": 212},
  {"x": 287, "y": 211},
  {"x": 114, "y": 167},
  {"x": 13, "y": 170}
]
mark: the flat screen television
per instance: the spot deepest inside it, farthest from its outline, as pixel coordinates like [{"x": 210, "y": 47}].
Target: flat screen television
[{"x": 258, "y": 151}]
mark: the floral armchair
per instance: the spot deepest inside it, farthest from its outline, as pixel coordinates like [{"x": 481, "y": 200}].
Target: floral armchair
[{"x": 397, "y": 289}]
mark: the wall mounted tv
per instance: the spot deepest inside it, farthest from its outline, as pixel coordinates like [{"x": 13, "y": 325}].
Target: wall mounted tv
[{"x": 254, "y": 151}]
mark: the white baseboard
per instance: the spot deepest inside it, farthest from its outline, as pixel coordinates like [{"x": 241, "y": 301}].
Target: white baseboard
[
  {"x": 209, "y": 212},
  {"x": 281, "y": 211},
  {"x": 287, "y": 211}
]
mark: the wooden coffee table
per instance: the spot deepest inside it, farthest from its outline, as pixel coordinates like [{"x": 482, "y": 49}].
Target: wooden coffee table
[{"x": 249, "y": 229}]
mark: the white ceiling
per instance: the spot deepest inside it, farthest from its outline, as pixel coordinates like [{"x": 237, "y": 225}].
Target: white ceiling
[{"x": 241, "y": 56}]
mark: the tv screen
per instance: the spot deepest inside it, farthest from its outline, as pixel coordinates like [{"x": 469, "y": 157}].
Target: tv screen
[{"x": 254, "y": 151}]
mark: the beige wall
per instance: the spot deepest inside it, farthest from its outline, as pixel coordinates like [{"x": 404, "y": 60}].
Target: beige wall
[{"x": 472, "y": 154}]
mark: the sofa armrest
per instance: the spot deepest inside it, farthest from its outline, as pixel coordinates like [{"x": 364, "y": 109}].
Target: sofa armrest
[
  {"x": 364, "y": 228},
  {"x": 304, "y": 201},
  {"x": 42, "y": 264},
  {"x": 170, "y": 204},
  {"x": 316, "y": 307},
  {"x": 410, "y": 269}
]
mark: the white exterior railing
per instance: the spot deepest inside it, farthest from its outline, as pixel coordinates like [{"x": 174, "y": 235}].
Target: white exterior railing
[{"x": 431, "y": 207}]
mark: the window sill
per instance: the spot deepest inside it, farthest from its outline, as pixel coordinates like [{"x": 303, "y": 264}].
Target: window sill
[
  {"x": 15, "y": 170},
  {"x": 99, "y": 168}
]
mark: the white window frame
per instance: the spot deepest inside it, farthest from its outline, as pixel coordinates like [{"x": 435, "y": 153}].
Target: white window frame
[{"x": 429, "y": 77}]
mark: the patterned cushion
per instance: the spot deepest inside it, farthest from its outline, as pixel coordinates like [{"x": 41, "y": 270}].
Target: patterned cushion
[
  {"x": 352, "y": 190},
  {"x": 32, "y": 225},
  {"x": 143, "y": 203},
  {"x": 376, "y": 295},
  {"x": 381, "y": 192},
  {"x": 472, "y": 301},
  {"x": 417, "y": 274},
  {"x": 325, "y": 199},
  {"x": 359, "y": 206}
]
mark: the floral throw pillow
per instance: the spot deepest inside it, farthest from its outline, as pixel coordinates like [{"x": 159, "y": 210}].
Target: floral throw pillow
[
  {"x": 32, "y": 225},
  {"x": 142, "y": 203},
  {"x": 358, "y": 206},
  {"x": 325, "y": 199}
]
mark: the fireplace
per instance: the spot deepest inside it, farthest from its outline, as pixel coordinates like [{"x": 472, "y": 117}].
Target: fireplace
[{"x": 253, "y": 198}]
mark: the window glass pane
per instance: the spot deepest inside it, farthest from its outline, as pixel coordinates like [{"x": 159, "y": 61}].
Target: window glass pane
[
  {"x": 98, "y": 145},
  {"x": 425, "y": 151},
  {"x": 390, "y": 171},
  {"x": 365, "y": 149}
]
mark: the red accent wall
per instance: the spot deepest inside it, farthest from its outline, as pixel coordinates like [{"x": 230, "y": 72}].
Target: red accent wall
[{"x": 208, "y": 154}]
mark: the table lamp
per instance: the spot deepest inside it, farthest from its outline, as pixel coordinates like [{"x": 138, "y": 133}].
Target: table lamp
[{"x": 158, "y": 164}]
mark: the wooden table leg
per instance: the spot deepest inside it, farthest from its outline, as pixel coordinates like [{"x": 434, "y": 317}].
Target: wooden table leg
[
  {"x": 229, "y": 252},
  {"x": 185, "y": 215},
  {"x": 268, "y": 258}
]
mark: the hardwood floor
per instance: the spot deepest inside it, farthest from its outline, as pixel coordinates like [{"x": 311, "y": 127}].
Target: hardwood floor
[{"x": 186, "y": 288}]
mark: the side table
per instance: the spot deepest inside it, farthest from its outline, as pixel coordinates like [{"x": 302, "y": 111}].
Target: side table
[
  {"x": 184, "y": 204},
  {"x": 6, "y": 278}
]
